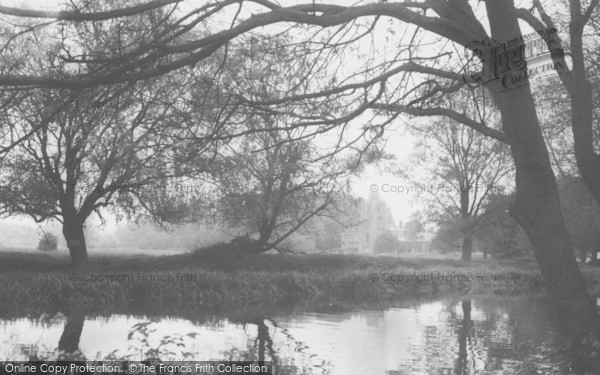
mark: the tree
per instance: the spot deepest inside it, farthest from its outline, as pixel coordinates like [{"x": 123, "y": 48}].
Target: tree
[
  {"x": 386, "y": 242},
  {"x": 326, "y": 231},
  {"x": 115, "y": 147},
  {"x": 276, "y": 179},
  {"x": 462, "y": 168},
  {"x": 414, "y": 228},
  {"x": 48, "y": 242},
  {"x": 448, "y": 236},
  {"x": 272, "y": 186},
  {"x": 577, "y": 82},
  {"x": 498, "y": 233}
]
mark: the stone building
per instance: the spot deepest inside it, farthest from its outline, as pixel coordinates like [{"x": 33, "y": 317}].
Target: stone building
[{"x": 376, "y": 218}]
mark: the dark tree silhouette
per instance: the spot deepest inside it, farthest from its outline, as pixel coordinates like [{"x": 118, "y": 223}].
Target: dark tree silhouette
[
  {"x": 463, "y": 168},
  {"x": 112, "y": 148},
  {"x": 69, "y": 340},
  {"x": 462, "y": 363}
]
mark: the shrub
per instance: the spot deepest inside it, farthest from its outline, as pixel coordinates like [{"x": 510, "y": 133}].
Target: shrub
[
  {"x": 48, "y": 242},
  {"x": 386, "y": 243}
]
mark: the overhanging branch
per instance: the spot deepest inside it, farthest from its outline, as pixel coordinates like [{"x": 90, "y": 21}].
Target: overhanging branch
[{"x": 456, "y": 116}]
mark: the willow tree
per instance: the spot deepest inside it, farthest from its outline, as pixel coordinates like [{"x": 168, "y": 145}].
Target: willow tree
[
  {"x": 280, "y": 176},
  {"x": 118, "y": 154}
]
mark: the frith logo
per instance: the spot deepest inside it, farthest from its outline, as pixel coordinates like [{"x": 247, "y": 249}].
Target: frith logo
[{"x": 509, "y": 65}]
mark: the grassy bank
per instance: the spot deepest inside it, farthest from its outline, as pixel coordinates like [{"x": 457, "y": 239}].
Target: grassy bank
[{"x": 178, "y": 284}]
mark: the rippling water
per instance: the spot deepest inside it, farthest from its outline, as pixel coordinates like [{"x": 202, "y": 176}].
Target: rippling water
[{"x": 482, "y": 336}]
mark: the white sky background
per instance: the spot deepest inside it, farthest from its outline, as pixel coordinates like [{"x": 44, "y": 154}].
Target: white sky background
[{"x": 399, "y": 143}]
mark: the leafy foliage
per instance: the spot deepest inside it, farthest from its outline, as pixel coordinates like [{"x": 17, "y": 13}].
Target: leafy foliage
[
  {"x": 386, "y": 242},
  {"x": 48, "y": 242},
  {"x": 415, "y": 227},
  {"x": 499, "y": 234}
]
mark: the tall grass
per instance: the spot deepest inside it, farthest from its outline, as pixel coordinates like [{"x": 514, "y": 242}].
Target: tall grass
[{"x": 48, "y": 284}]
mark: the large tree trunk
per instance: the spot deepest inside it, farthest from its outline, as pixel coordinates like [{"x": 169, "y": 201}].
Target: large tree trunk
[
  {"x": 537, "y": 205},
  {"x": 75, "y": 237},
  {"x": 264, "y": 234},
  {"x": 582, "y": 118}
]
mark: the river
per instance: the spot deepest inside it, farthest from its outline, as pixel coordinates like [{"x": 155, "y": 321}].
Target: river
[{"x": 492, "y": 335}]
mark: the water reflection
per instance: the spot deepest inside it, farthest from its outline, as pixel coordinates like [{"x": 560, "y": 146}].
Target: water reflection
[
  {"x": 69, "y": 340},
  {"x": 461, "y": 337}
]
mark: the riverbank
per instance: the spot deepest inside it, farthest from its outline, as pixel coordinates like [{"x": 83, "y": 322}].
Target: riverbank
[{"x": 179, "y": 283}]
